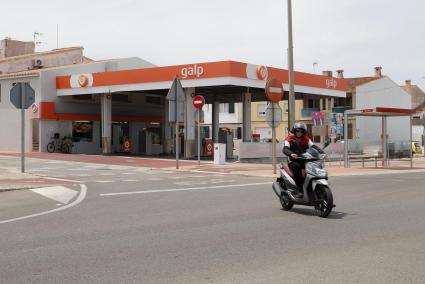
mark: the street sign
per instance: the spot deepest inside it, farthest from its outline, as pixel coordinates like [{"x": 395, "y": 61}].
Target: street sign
[
  {"x": 273, "y": 122},
  {"x": 198, "y": 101},
  {"x": 177, "y": 98},
  {"x": 22, "y": 91},
  {"x": 274, "y": 90}
]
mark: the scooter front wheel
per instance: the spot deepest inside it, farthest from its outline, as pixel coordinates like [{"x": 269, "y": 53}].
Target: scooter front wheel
[
  {"x": 286, "y": 203},
  {"x": 324, "y": 200}
]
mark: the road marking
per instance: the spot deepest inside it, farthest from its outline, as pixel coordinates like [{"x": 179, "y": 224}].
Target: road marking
[
  {"x": 61, "y": 179},
  {"x": 128, "y": 173},
  {"x": 184, "y": 189},
  {"x": 103, "y": 181},
  {"x": 58, "y": 193},
  {"x": 79, "y": 199},
  {"x": 130, "y": 180}
]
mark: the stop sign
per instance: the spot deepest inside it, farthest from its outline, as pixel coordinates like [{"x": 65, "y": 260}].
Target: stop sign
[
  {"x": 198, "y": 101},
  {"x": 274, "y": 90}
]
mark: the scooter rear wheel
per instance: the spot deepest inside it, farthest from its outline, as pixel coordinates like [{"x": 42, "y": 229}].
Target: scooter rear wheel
[{"x": 325, "y": 201}]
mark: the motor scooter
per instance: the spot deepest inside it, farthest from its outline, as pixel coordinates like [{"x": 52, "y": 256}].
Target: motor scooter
[{"x": 315, "y": 190}]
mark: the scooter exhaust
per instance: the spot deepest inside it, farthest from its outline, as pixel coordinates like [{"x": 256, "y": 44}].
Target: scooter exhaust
[{"x": 277, "y": 189}]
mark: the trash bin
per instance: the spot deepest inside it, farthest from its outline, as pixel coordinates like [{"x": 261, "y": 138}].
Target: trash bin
[{"x": 219, "y": 154}]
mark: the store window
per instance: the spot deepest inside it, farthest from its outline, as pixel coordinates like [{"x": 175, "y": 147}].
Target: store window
[
  {"x": 261, "y": 110},
  {"x": 120, "y": 98},
  {"x": 87, "y": 97},
  {"x": 156, "y": 135},
  {"x": 153, "y": 100},
  {"x": 82, "y": 130}
]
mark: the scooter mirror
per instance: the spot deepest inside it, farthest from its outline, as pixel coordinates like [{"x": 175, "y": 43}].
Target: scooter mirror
[{"x": 327, "y": 142}]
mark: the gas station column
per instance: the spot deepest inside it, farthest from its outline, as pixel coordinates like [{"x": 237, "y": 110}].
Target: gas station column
[
  {"x": 189, "y": 125},
  {"x": 167, "y": 133},
  {"x": 215, "y": 119},
  {"x": 246, "y": 120},
  {"x": 106, "y": 116}
]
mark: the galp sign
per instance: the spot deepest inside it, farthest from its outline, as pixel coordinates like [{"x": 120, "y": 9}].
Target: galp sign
[{"x": 192, "y": 71}]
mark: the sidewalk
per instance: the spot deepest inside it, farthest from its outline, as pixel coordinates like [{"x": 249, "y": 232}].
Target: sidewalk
[
  {"x": 249, "y": 169},
  {"x": 13, "y": 179}
]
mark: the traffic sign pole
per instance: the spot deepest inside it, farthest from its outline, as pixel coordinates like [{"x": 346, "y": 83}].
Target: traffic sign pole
[
  {"x": 22, "y": 128},
  {"x": 273, "y": 142},
  {"x": 199, "y": 136}
]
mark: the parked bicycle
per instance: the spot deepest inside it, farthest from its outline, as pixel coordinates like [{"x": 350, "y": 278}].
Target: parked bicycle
[{"x": 63, "y": 145}]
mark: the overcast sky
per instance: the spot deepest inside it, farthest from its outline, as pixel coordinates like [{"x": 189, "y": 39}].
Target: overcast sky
[{"x": 354, "y": 35}]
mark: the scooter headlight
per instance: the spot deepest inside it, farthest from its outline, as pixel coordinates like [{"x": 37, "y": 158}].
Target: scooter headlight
[{"x": 317, "y": 169}]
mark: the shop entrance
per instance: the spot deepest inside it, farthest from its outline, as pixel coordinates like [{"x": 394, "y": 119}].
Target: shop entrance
[{"x": 120, "y": 133}]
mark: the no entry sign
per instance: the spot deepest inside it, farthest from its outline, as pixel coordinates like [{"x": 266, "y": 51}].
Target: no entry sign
[
  {"x": 274, "y": 90},
  {"x": 198, "y": 101}
]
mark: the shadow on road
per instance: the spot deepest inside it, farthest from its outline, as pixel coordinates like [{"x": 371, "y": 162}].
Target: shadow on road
[{"x": 310, "y": 212}]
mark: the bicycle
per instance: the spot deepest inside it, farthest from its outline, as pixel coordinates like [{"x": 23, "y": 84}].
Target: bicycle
[{"x": 63, "y": 145}]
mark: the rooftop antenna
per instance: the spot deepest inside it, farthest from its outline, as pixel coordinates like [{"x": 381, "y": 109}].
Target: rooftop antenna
[
  {"x": 37, "y": 41},
  {"x": 315, "y": 64}
]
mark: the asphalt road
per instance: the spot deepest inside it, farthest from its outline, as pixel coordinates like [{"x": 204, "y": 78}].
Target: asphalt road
[{"x": 201, "y": 228}]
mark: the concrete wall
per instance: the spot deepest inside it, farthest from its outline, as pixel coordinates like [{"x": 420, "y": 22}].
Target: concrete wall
[
  {"x": 9, "y": 48},
  {"x": 382, "y": 93},
  {"x": 26, "y": 62}
]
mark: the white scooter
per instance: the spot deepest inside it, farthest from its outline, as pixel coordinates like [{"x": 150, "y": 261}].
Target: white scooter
[{"x": 315, "y": 190}]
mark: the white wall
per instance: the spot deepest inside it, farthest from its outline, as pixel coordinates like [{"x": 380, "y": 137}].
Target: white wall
[
  {"x": 382, "y": 93},
  {"x": 10, "y": 117}
]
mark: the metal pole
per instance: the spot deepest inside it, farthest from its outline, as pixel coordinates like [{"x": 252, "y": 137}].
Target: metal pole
[
  {"x": 273, "y": 141},
  {"x": 199, "y": 136},
  {"x": 22, "y": 128},
  {"x": 345, "y": 139},
  {"x": 385, "y": 142},
  {"x": 410, "y": 143},
  {"x": 177, "y": 130},
  {"x": 291, "y": 98},
  {"x": 177, "y": 144}
]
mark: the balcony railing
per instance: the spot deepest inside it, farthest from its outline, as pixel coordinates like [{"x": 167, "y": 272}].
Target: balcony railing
[
  {"x": 306, "y": 112},
  {"x": 340, "y": 109}
]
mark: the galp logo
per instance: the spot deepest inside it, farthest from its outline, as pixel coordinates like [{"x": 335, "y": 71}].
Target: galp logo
[
  {"x": 83, "y": 80},
  {"x": 331, "y": 83},
  {"x": 192, "y": 71},
  {"x": 262, "y": 72}
]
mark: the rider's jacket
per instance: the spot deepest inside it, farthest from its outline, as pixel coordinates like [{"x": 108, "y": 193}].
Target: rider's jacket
[{"x": 294, "y": 145}]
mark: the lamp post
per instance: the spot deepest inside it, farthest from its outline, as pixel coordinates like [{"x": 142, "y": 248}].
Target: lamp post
[{"x": 291, "y": 98}]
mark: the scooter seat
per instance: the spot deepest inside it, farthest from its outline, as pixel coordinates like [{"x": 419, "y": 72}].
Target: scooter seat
[{"x": 288, "y": 170}]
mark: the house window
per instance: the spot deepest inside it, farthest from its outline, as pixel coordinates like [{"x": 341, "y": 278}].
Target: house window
[
  {"x": 224, "y": 108},
  {"x": 261, "y": 110},
  {"x": 82, "y": 130},
  {"x": 153, "y": 100},
  {"x": 231, "y": 107}
]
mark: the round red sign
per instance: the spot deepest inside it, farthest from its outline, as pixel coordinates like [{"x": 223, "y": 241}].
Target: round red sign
[
  {"x": 274, "y": 90},
  {"x": 198, "y": 101}
]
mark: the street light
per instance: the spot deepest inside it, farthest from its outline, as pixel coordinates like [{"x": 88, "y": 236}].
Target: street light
[{"x": 291, "y": 98}]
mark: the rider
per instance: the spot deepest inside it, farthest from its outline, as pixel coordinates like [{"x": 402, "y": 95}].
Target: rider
[{"x": 295, "y": 145}]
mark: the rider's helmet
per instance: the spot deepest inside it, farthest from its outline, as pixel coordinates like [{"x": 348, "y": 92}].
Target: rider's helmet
[{"x": 299, "y": 125}]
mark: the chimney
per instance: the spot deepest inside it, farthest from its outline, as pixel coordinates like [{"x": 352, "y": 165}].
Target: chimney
[
  {"x": 408, "y": 84},
  {"x": 327, "y": 73},
  {"x": 340, "y": 74},
  {"x": 378, "y": 71}
]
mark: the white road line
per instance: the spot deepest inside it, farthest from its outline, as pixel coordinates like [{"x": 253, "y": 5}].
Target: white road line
[
  {"x": 80, "y": 198},
  {"x": 58, "y": 193},
  {"x": 103, "y": 181},
  {"x": 130, "y": 180},
  {"x": 184, "y": 189}
]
